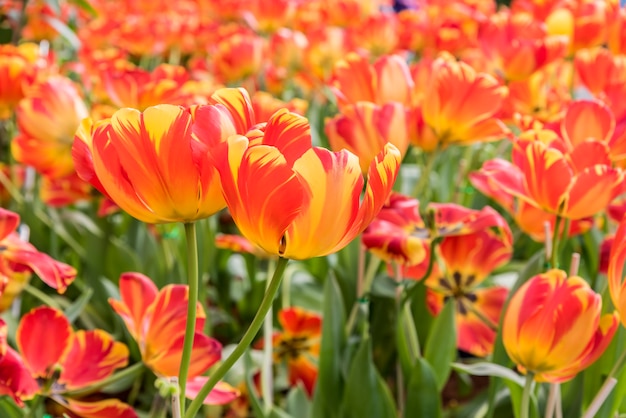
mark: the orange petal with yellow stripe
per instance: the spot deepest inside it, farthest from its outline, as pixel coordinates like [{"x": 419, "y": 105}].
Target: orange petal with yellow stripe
[
  {"x": 94, "y": 356},
  {"x": 99, "y": 409},
  {"x": 592, "y": 190},
  {"x": 585, "y": 120}
]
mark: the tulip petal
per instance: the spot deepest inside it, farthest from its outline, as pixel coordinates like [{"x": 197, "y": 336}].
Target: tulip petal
[
  {"x": 262, "y": 191},
  {"x": 295, "y": 320},
  {"x": 99, "y": 409},
  {"x": 206, "y": 352},
  {"x": 592, "y": 190},
  {"x": 15, "y": 378},
  {"x": 473, "y": 334},
  {"x": 51, "y": 327},
  {"x": 302, "y": 370},
  {"x": 221, "y": 394},
  {"x": 585, "y": 120},
  {"x": 289, "y": 132},
  {"x": 137, "y": 292},
  {"x": 94, "y": 356},
  {"x": 9, "y": 222},
  {"x": 238, "y": 103}
]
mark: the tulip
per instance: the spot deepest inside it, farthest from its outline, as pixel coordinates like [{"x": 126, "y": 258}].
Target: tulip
[
  {"x": 151, "y": 164},
  {"x": 554, "y": 327},
  {"x": 298, "y": 201},
  {"x": 72, "y": 360}
]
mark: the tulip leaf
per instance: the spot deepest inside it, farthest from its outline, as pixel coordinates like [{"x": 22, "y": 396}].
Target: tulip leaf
[
  {"x": 489, "y": 369},
  {"x": 365, "y": 395},
  {"x": 76, "y": 308},
  {"x": 298, "y": 403},
  {"x": 8, "y": 409},
  {"x": 440, "y": 350},
  {"x": 329, "y": 386},
  {"x": 64, "y": 30},
  {"x": 422, "y": 394}
]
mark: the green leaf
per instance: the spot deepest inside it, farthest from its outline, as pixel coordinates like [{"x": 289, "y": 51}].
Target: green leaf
[
  {"x": 329, "y": 387},
  {"x": 76, "y": 308},
  {"x": 364, "y": 396},
  {"x": 84, "y": 4},
  {"x": 422, "y": 395},
  {"x": 440, "y": 350},
  {"x": 255, "y": 402},
  {"x": 65, "y": 31},
  {"x": 8, "y": 409},
  {"x": 298, "y": 403},
  {"x": 489, "y": 369},
  {"x": 516, "y": 399}
]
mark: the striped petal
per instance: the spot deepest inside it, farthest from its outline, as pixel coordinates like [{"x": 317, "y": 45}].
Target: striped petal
[
  {"x": 138, "y": 292},
  {"x": 592, "y": 190},
  {"x": 262, "y": 191},
  {"x": 206, "y": 352},
  {"x": 15, "y": 378},
  {"x": 238, "y": 103},
  {"x": 44, "y": 326},
  {"x": 94, "y": 356},
  {"x": 99, "y": 409}
]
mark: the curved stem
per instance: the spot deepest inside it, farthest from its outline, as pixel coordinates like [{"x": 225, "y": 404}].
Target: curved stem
[
  {"x": 245, "y": 342},
  {"x": 190, "y": 328},
  {"x": 114, "y": 378},
  {"x": 421, "y": 184},
  {"x": 267, "y": 377},
  {"x": 524, "y": 413}
]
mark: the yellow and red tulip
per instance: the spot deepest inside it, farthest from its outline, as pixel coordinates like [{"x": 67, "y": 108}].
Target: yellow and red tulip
[
  {"x": 156, "y": 320},
  {"x": 129, "y": 86},
  {"x": 468, "y": 260},
  {"x": 47, "y": 119},
  {"x": 238, "y": 55},
  {"x": 17, "y": 73},
  {"x": 388, "y": 79},
  {"x": 615, "y": 273},
  {"x": 73, "y": 359},
  {"x": 582, "y": 181},
  {"x": 298, "y": 345},
  {"x": 528, "y": 217},
  {"x": 554, "y": 327},
  {"x": 310, "y": 189},
  {"x": 151, "y": 164},
  {"x": 461, "y": 105},
  {"x": 365, "y": 128},
  {"x": 517, "y": 45}
]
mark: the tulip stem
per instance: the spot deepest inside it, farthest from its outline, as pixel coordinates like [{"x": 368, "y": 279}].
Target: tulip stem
[
  {"x": 190, "y": 328},
  {"x": 267, "y": 378},
  {"x": 245, "y": 342},
  {"x": 553, "y": 404},
  {"x": 554, "y": 256},
  {"x": 422, "y": 182},
  {"x": 528, "y": 387},
  {"x": 599, "y": 399}
]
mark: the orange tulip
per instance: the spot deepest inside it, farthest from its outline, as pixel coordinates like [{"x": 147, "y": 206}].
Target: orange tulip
[
  {"x": 238, "y": 55},
  {"x": 365, "y": 128},
  {"x": 47, "y": 119},
  {"x": 17, "y": 72},
  {"x": 128, "y": 86},
  {"x": 554, "y": 327},
  {"x": 151, "y": 164},
  {"x": 528, "y": 217},
  {"x": 460, "y": 105},
  {"x": 388, "y": 79},
  {"x": 377, "y": 34},
  {"x": 597, "y": 68},
  {"x": 517, "y": 45},
  {"x": 298, "y": 201},
  {"x": 583, "y": 21},
  {"x": 298, "y": 345},
  {"x": 468, "y": 260},
  {"x": 582, "y": 181},
  {"x": 71, "y": 360}
]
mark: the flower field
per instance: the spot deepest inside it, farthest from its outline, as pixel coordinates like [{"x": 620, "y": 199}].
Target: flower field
[{"x": 312, "y": 209}]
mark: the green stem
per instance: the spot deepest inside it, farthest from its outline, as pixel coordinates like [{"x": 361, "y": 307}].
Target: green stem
[
  {"x": 267, "y": 377},
  {"x": 32, "y": 412},
  {"x": 114, "y": 378},
  {"x": 421, "y": 184},
  {"x": 245, "y": 342},
  {"x": 554, "y": 257},
  {"x": 528, "y": 386},
  {"x": 192, "y": 302}
]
